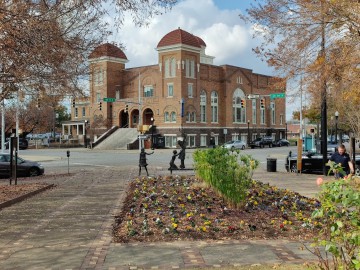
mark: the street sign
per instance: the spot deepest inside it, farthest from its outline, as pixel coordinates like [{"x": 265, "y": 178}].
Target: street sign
[
  {"x": 250, "y": 96},
  {"x": 109, "y": 99},
  {"x": 277, "y": 95}
]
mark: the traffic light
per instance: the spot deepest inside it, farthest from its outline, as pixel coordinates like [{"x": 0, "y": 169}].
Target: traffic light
[
  {"x": 242, "y": 102},
  {"x": 262, "y": 103},
  {"x": 126, "y": 108},
  {"x": 73, "y": 102},
  {"x": 100, "y": 105},
  {"x": 38, "y": 102}
]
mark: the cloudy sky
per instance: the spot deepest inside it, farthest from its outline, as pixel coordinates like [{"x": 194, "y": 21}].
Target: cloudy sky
[{"x": 217, "y": 22}]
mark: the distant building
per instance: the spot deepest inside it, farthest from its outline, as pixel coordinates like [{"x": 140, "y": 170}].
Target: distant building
[{"x": 184, "y": 91}]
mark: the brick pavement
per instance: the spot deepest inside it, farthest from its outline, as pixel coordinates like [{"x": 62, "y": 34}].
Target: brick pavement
[{"x": 70, "y": 227}]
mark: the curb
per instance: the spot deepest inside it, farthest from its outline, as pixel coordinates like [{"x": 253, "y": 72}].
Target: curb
[{"x": 25, "y": 196}]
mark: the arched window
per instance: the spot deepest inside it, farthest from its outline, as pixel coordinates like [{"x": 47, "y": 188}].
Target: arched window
[
  {"x": 239, "y": 114},
  {"x": 167, "y": 68},
  {"x": 173, "y": 117},
  {"x": 188, "y": 116},
  {"x": 203, "y": 106},
  {"x": 166, "y": 117},
  {"x": 193, "y": 118},
  {"x": 214, "y": 107},
  {"x": 172, "y": 67}
]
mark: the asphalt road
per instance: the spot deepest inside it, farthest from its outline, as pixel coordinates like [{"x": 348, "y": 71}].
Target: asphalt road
[{"x": 55, "y": 160}]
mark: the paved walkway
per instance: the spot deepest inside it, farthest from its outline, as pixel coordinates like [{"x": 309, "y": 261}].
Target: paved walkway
[{"x": 70, "y": 227}]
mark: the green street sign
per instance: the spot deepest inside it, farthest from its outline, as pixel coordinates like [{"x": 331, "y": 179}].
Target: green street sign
[
  {"x": 277, "y": 95},
  {"x": 109, "y": 99}
]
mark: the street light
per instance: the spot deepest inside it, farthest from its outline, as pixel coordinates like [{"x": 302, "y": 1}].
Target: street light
[
  {"x": 152, "y": 132},
  {"x": 336, "y": 122},
  {"x": 248, "y": 136}
]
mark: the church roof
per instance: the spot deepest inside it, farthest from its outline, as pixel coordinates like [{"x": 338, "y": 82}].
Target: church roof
[
  {"x": 109, "y": 50},
  {"x": 180, "y": 36}
]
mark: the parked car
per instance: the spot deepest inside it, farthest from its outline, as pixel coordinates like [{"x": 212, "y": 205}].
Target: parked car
[
  {"x": 312, "y": 163},
  {"x": 23, "y": 143},
  {"x": 262, "y": 142},
  {"x": 232, "y": 145},
  {"x": 281, "y": 142},
  {"x": 24, "y": 167}
]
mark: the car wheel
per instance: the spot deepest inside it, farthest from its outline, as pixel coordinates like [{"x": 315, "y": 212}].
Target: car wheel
[
  {"x": 34, "y": 171},
  {"x": 243, "y": 147},
  {"x": 261, "y": 146},
  {"x": 293, "y": 168},
  {"x": 252, "y": 147}
]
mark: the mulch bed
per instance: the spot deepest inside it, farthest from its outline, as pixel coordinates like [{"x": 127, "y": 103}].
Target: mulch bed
[
  {"x": 10, "y": 194},
  {"x": 185, "y": 208}
]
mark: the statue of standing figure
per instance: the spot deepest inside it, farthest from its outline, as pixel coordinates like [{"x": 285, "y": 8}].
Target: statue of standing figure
[
  {"x": 182, "y": 151},
  {"x": 143, "y": 160}
]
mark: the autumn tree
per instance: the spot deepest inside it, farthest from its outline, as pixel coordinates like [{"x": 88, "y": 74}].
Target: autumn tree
[
  {"x": 45, "y": 44},
  {"x": 315, "y": 39}
]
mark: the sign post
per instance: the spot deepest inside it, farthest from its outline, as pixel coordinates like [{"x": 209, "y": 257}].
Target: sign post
[{"x": 299, "y": 155}]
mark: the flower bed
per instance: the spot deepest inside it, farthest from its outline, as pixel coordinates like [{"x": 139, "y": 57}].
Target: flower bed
[{"x": 185, "y": 208}]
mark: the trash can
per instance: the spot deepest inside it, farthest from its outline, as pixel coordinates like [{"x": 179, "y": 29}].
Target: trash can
[{"x": 271, "y": 164}]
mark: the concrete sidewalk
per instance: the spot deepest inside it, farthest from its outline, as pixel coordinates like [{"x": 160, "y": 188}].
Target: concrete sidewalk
[{"x": 70, "y": 227}]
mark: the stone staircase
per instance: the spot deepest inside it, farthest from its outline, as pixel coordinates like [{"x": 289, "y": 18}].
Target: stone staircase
[{"x": 119, "y": 139}]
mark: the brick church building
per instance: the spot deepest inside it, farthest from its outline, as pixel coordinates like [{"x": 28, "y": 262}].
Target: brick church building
[{"x": 184, "y": 91}]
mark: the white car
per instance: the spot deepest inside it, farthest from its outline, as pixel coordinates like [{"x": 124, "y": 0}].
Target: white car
[{"x": 232, "y": 145}]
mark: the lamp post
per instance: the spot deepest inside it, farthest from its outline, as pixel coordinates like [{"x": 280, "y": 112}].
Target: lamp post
[
  {"x": 248, "y": 136},
  {"x": 85, "y": 135},
  {"x": 331, "y": 130},
  {"x": 152, "y": 132},
  {"x": 336, "y": 123}
]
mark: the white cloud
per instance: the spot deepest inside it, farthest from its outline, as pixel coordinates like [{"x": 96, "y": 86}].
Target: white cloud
[{"x": 226, "y": 37}]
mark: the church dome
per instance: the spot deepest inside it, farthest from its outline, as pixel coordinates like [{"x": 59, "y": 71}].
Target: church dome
[
  {"x": 180, "y": 36},
  {"x": 108, "y": 50}
]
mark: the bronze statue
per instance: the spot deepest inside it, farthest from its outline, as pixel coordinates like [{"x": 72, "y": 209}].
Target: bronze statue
[
  {"x": 182, "y": 151},
  {"x": 172, "y": 161},
  {"x": 142, "y": 160}
]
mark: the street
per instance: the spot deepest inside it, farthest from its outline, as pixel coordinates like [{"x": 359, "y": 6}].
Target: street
[{"x": 56, "y": 161}]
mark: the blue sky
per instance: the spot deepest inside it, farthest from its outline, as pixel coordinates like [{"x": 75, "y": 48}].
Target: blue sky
[
  {"x": 217, "y": 22},
  {"x": 233, "y": 4}
]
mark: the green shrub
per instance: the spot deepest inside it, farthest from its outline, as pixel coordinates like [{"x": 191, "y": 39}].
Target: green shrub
[
  {"x": 340, "y": 215},
  {"x": 226, "y": 171}
]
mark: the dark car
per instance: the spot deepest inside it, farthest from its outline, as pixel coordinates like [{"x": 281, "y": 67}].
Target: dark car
[
  {"x": 262, "y": 142},
  {"x": 312, "y": 163},
  {"x": 282, "y": 142},
  {"x": 24, "y": 167},
  {"x": 23, "y": 143}
]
